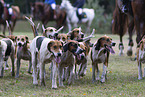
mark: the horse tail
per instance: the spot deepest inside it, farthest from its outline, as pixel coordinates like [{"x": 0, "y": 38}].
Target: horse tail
[
  {"x": 119, "y": 22},
  {"x": 17, "y": 10}
]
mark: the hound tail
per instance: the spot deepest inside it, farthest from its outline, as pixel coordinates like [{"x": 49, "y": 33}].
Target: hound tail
[{"x": 34, "y": 28}]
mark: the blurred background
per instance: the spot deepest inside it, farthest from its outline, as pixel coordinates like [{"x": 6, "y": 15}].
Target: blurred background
[{"x": 102, "y": 21}]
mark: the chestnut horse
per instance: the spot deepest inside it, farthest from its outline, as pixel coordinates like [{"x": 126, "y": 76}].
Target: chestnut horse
[
  {"x": 121, "y": 21},
  {"x": 44, "y": 13},
  {"x": 4, "y": 16}
]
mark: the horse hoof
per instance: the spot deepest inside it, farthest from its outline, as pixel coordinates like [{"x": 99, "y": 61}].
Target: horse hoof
[{"x": 129, "y": 53}]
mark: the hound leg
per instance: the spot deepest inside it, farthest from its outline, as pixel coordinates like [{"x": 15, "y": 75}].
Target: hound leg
[
  {"x": 13, "y": 63},
  {"x": 104, "y": 73},
  {"x": 71, "y": 77},
  {"x": 34, "y": 66},
  {"x": 18, "y": 67},
  {"x": 76, "y": 71},
  {"x": 93, "y": 72},
  {"x": 30, "y": 66},
  {"x": 60, "y": 71},
  {"x": 1, "y": 68},
  {"x": 98, "y": 73},
  {"x": 54, "y": 75},
  {"x": 83, "y": 69},
  {"x": 139, "y": 71},
  {"x": 42, "y": 68},
  {"x": 6, "y": 65}
]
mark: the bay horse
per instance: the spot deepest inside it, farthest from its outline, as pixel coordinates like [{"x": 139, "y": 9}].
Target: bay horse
[
  {"x": 120, "y": 23},
  {"x": 72, "y": 15},
  {"x": 44, "y": 13},
  {"x": 4, "y": 16}
]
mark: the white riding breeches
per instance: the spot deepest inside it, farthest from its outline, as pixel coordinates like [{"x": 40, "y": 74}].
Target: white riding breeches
[
  {"x": 53, "y": 5},
  {"x": 10, "y": 11},
  {"x": 80, "y": 11}
]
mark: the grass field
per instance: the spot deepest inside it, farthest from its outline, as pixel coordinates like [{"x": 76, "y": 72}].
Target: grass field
[{"x": 122, "y": 78}]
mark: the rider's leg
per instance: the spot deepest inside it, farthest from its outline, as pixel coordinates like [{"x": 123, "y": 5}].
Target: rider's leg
[
  {"x": 10, "y": 10},
  {"x": 53, "y": 6}
]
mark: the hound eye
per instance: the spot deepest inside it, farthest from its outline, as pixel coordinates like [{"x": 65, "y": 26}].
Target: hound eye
[
  {"x": 55, "y": 47},
  {"x": 22, "y": 40},
  {"x": 55, "y": 30},
  {"x": 77, "y": 31},
  {"x": 63, "y": 38},
  {"x": 78, "y": 44},
  {"x": 60, "y": 47},
  {"x": 18, "y": 39},
  {"x": 107, "y": 40},
  {"x": 13, "y": 39},
  {"x": 58, "y": 38},
  {"x": 51, "y": 30}
]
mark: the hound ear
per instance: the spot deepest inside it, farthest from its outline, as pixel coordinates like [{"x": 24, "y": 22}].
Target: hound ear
[
  {"x": 72, "y": 35},
  {"x": 27, "y": 39},
  {"x": 49, "y": 46},
  {"x": 65, "y": 47},
  {"x": 97, "y": 46}
]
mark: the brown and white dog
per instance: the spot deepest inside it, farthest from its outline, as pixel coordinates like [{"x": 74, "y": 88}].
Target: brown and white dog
[
  {"x": 45, "y": 50},
  {"x": 141, "y": 57},
  {"x": 23, "y": 52},
  {"x": 71, "y": 52},
  {"x": 63, "y": 37},
  {"x": 7, "y": 49},
  {"x": 100, "y": 54},
  {"x": 76, "y": 34},
  {"x": 82, "y": 62}
]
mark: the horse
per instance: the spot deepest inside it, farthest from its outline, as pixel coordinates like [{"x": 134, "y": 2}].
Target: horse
[
  {"x": 44, "y": 13},
  {"x": 4, "y": 16},
  {"x": 72, "y": 17},
  {"x": 120, "y": 23}
]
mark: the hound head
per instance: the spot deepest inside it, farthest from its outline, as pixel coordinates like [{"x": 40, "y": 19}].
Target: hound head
[
  {"x": 73, "y": 47},
  {"x": 50, "y": 32},
  {"x": 22, "y": 40},
  {"x": 63, "y": 37},
  {"x": 76, "y": 34},
  {"x": 56, "y": 47},
  {"x": 105, "y": 42},
  {"x": 84, "y": 48}
]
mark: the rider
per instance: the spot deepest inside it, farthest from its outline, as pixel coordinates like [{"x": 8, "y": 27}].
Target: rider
[
  {"x": 79, "y": 4},
  {"x": 52, "y": 3},
  {"x": 7, "y": 3}
]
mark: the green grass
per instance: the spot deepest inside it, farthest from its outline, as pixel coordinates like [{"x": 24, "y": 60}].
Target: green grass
[{"x": 122, "y": 77}]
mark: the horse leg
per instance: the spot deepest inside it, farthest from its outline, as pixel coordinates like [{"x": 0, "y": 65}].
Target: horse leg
[
  {"x": 68, "y": 24},
  {"x": 4, "y": 29},
  {"x": 12, "y": 26},
  {"x": 121, "y": 47},
  {"x": 130, "y": 45},
  {"x": 88, "y": 28}
]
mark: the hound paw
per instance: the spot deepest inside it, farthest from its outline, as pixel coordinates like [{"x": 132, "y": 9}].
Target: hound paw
[
  {"x": 29, "y": 72},
  {"x": 102, "y": 80},
  {"x": 54, "y": 87},
  {"x": 35, "y": 83},
  {"x": 139, "y": 78}
]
